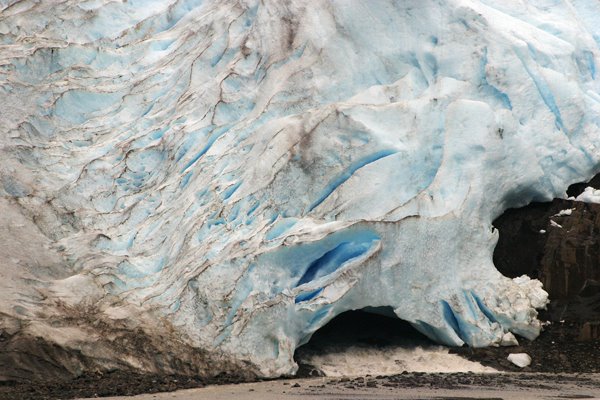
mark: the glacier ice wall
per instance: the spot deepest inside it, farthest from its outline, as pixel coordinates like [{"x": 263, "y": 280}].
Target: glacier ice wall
[{"x": 231, "y": 175}]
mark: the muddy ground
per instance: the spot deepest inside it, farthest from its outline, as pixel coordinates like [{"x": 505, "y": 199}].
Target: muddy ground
[
  {"x": 509, "y": 386},
  {"x": 407, "y": 385},
  {"x": 117, "y": 383}
]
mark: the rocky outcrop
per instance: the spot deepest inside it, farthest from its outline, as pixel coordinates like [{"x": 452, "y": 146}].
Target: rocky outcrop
[{"x": 559, "y": 244}]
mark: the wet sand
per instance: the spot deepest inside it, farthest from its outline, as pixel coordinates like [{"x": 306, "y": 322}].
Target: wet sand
[{"x": 507, "y": 386}]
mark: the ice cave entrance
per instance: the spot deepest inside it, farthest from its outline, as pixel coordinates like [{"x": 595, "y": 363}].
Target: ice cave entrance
[{"x": 368, "y": 341}]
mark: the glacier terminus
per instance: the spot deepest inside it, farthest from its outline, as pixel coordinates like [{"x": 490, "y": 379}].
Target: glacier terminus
[{"x": 199, "y": 186}]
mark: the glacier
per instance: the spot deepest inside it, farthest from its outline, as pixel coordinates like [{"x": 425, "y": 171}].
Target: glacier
[{"x": 225, "y": 177}]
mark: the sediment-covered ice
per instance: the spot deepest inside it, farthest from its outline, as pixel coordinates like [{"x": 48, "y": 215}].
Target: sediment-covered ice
[{"x": 231, "y": 175}]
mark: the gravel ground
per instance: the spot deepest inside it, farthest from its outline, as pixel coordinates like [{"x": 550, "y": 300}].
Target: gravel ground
[
  {"x": 557, "y": 349},
  {"x": 507, "y": 386}
]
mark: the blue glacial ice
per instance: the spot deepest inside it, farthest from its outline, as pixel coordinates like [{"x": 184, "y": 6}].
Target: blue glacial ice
[{"x": 244, "y": 171}]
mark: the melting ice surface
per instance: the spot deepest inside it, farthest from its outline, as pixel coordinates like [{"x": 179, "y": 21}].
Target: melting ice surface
[
  {"x": 361, "y": 361},
  {"x": 244, "y": 171}
]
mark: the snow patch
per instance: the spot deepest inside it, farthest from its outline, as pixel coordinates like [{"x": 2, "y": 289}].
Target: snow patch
[
  {"x": 562, "y": 213},
  {"x": 555, "y": 224},
  {"x": 521, "y": 360}
]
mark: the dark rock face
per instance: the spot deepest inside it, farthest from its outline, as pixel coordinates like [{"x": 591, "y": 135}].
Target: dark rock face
[{"x": 560, "y": 249}]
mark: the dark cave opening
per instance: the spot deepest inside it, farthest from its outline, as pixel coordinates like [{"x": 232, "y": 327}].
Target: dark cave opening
[
  {"x": 369, "y": 329},
  {"x": 520, "y": 243},
  {"x": 577, "y": 188}
]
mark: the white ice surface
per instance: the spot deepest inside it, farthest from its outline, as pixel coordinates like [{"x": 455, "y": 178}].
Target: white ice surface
[
  {"x": 521, "y": 360},
  {"x": 562, "y": 213},
  {"x": 589, "y": 195},
  {"x": 555, "y": 224},
  {"x": 237, "y": 173},
  {"x": 362, "y": 360}
]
